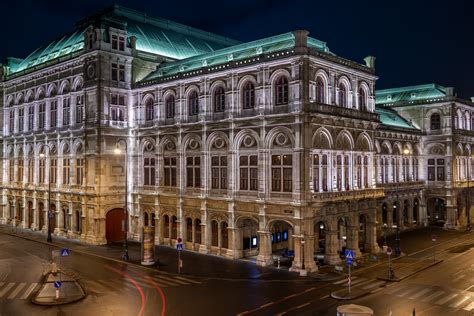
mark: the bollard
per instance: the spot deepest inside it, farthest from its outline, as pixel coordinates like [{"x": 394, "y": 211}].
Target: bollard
[
  {"x": 278, "y": 262},
  {"x": 54, "y": 268},
  {"x": 57, "y": 294}
]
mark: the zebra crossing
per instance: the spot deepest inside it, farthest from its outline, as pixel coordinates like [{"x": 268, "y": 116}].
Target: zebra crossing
[
  {"x": 361, "y": 282},
  {"x": 459, "y": 300},
  {"x": 14, "y": 290},
  {"x": 114, "y": 284}
]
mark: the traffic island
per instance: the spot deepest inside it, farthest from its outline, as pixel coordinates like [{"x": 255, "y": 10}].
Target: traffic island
[
  {"x": 58, "y": 289},
  {"x": 406, "y": 272}
]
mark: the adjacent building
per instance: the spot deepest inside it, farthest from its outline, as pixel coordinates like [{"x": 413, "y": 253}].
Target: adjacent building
[{"x": 241, "y": 149}]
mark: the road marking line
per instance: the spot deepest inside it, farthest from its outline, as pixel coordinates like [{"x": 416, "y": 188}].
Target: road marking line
[
  {"x": 290, "y": 296},
  {"x": 422, "y": 292},
  {"x": 172, "y": 280},
  {"x": 268, "y": 304},
  {"x": 460, "y": 271},
  {"x": 459, "y": 277},
  {"x": 373, "y": 285},
  {"x": 344, "y": 280},
  {"x": 457, "y": 304},
  {"x": 359, "y": 282},
  {"x": 28, "y": 291},
  {"x": 407, "y": 292},
  {"x": 153, "y": 280},
  {"x": 432, "y": 296},
  {"x": 187, "y": 280},
  {"x": 446, "y": 299},
  {"x": 16, "y": 291},
  {"x": 323, "y": 297},
  {"x": 397, "y": 289},
  {"x": 303, "y": 305},
  {"x": 6, "y": 289},
  {"x": 102, "y": 285},
  {"x": 469, "y": 287},
  {"x": 121, "y": 283},
  {"x": 469, "y": 307},
  {"x": 164, "y": 282}
]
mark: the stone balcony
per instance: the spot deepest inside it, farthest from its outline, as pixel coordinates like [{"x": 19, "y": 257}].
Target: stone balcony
[
  {"x": 340, "y": 196},
  {"x": 344, "y": 112}
]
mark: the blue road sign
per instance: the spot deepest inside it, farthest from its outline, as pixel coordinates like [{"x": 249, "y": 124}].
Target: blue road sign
[
  {"x": 349, "y": 261},
  {"x": 179, "y": 246},
  {"x": 350, "y": 254},
  {"x": 58, "y": 284},
  {"x": 64, "y": 252}
]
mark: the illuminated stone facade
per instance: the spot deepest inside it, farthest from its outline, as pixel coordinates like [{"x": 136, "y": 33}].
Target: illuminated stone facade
[{"x": 241, "y": 149}]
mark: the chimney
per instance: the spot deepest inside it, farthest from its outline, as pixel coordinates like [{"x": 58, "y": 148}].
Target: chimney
[
  {"x": 370, "y": 62},
  {"x": 449, "y": 91},
  {"x": 301, "y": 38}
]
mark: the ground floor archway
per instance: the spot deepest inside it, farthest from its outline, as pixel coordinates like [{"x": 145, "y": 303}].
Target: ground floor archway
[
  {"x": 114, "y": 223},
  {"x": 436, "y": 211}
]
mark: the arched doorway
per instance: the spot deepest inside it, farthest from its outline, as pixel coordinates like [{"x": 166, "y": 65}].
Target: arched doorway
[
  {"x": 416, "y": 208},
  {"x": 114, "y": 224},
  {"x": 436, "y": 211},
  {"x": 384, "y": 215},
  {"x": 405, "y": 213},
  {"x": 249, "y": 238},
  {"x": 320, "y": 241},
  {"x": 41, "y": 215},
  {"x": 30, "y": 214},
  {"x": 395, "y": 210},
  {"x": 281, "y": 236}
]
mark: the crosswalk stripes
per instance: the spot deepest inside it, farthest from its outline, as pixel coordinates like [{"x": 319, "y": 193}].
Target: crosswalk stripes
[
  {"x": 187, "y": 280},
  {"x": 446, "y": 299},
  {"x": 469, "y": 307},
  {"x": 420, "y": 293},
  {"x": 28, "y": 291},
  {"x": 16, "y": 291},
  {"x": 13, "y": 290},
  {"x": 433, "y": 296},
  {"x": 460, "y": 302},
  {"x": 409, "y": 291},
  {"x": 373, "y": 285},
  {"x": 344, "y": 280},
  {"x": 171, "y": 280}
]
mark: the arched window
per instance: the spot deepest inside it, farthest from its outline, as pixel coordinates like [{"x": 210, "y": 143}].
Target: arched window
[
  {"x": 219, "y": 100},
  {"x": 170, "y": 107},
  {"x": 362, "y": 100},
  {"x": 435, "y": 123},
  {"x": 248, "y": 96},
  {"x": 320, "y": 98},
  {"x": 281, "y": 91},
  {"x": 342, "y": 96},
  {"x": 145, "y": 219},
  {"x": 149, "y": 110},
  {"x": 193, "y": 103},
  {"x": 152, "y": 220}
]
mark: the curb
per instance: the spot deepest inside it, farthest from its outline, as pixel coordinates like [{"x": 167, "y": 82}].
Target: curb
[
  {"x": 62, "y": 301},
  {"x": 349, "y": 297}
]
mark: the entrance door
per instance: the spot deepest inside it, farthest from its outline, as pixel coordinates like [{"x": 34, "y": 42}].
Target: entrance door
[{"x": 113, "y": 225}]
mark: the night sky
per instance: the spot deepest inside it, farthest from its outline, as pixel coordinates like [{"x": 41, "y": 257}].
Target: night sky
[{"x": 415, "y": 42}]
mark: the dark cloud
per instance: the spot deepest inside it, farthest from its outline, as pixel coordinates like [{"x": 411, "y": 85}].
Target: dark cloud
[{"x": 414, "y": 41}]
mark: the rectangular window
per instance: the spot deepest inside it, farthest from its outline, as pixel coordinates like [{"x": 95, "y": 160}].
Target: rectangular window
[
  {"x": 66, "y": 111},
  {"x": 248, "y": 172},
  {"x": 193, "y": 172},
  {"x": 219, "y": 172},
  {"x": 20, "y": 170},
  {"x": 117, "y": 107},
  {"x": 339, "y": 173},
  {"x": 41, "y": 115},
  {"x": 54, "y": 114},
  {"x": 12, "y": 169},
  {"x": 149, "y": 171},
  {"x": 316, "y": 169},
  {"x": 31, "y": 117},
  {"x": 114, "y": 72},
  {"x": 66, "y": 170},
  {"x": 114, "y": 41},
  {"x": 122, "y": 73},
  {"x": 54, "y": 171},
  {"x": 80, "y": 171},
  {"x": 169, "y": 166},
  {"x": 324, "y": 175},
  {"x": 121, "y": 43},
  {"x": 282, "y": 173},
  {"x": 12, "y": 121},
  {"x": 42, "y": 163},
  {"x": 21, "y": 117},
  {"x": 31, "y": 164},
  {"x": 79, "y": 113}
]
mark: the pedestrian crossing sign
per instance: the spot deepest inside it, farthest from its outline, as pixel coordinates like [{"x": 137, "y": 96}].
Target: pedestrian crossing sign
[
  {"x": 64, "y": 252},
  {"x": 350, "y": 254}
]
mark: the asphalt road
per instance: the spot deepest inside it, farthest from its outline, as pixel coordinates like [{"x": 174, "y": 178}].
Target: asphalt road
[{"x": 115, "y": 288}]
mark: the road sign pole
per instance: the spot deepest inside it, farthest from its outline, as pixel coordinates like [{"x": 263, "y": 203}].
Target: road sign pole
[
  {"x": 179, "y": 261},
  {"x": 349, "y": 279},
  {"x": 389, "y": 267}
]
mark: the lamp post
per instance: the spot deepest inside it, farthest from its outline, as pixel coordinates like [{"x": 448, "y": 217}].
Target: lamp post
[
  {"x": 42, "y": 155},
  {"x": 125, "y": 233},
  {"x": 398, "y": 251},
  {"x": 468, "y": 211}
]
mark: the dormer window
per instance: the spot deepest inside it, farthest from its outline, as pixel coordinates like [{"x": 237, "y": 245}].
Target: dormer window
[
  {"x": 118, "y": 42},
  {"x": 114, "y": 41},
  {"x": 389, "y": 98},
  {"x": 413, "y": 95}
]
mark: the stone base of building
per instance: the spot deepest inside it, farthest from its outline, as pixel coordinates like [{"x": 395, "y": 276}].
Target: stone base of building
[{"x": 264, "y": 260}]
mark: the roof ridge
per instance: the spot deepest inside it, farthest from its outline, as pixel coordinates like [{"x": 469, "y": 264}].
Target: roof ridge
[{"x": 412, "y": 88}]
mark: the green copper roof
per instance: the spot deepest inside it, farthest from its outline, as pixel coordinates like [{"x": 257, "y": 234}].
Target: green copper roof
[
  {"x": 154, "y": 35},
  {"x": 67, "y": 44},
  {"x": 238, "y": 52},
  {"x": 410, "y": 94},
  {"x": 391, "y": 118}
]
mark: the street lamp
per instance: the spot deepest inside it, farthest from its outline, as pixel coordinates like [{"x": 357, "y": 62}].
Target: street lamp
[
  {"x": 42, "y": 155},
  {"x": 117, "y": 151},
  {"x": 398, "y": 251}
]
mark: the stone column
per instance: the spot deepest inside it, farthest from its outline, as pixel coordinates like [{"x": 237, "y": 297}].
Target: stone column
[
  {"x": 371, "y": 245},
  {"x": 310, "y": 264},
  {"x": 332, "y": 256},
  {"x": 234, "y": 250},
  {"x": 205, "y": 237},
  {"x": 353, "y": 239},
  {"x": 264, "y": 257},
  {"x": 297, "y": 262}
]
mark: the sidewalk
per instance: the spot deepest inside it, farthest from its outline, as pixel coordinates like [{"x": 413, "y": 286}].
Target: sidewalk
[{"x": 195, "y": 264}]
